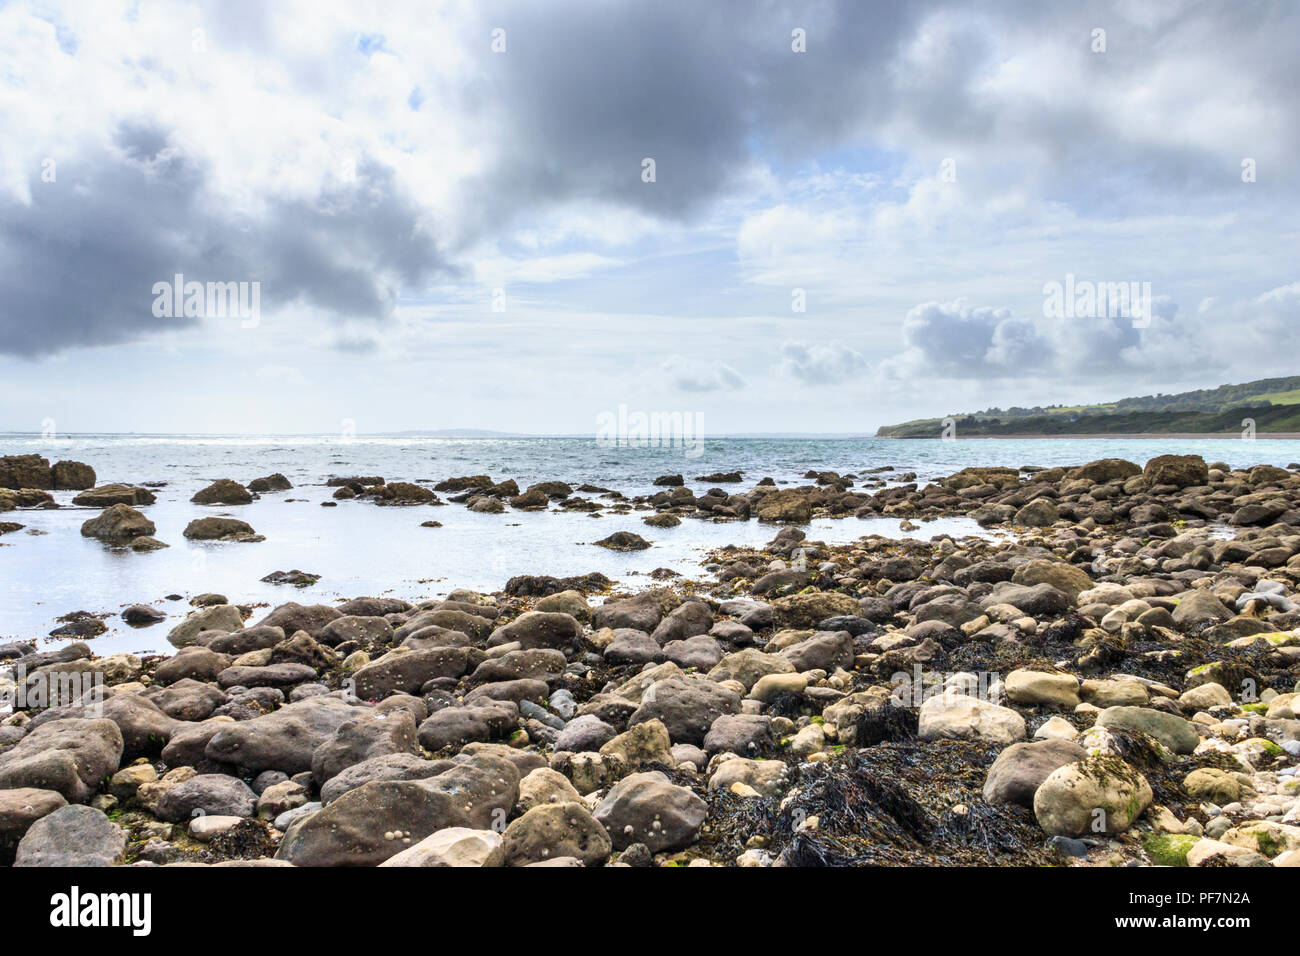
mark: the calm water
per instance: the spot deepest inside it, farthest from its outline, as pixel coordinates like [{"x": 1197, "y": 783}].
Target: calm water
[{"x": 361, "y": 549}]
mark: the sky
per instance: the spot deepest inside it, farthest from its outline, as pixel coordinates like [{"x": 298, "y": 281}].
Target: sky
[{"x": 779, "y": 217}]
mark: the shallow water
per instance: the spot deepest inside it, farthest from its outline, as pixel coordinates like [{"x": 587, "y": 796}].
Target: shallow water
[{"x": 359, "y": 548}]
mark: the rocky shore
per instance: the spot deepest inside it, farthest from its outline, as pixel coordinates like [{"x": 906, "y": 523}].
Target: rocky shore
[{"x": 1109, "y": 679}]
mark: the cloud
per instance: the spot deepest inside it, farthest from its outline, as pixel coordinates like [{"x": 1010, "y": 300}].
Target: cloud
[
  {"x": 821, "y": 364},
  {"x": 693, "y": 375},
  {"x": 79, "y": 261}
]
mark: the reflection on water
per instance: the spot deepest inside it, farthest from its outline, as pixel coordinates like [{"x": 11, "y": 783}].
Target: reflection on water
[{"x": 361, "y": 549}]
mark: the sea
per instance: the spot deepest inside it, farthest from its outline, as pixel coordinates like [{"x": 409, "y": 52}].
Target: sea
[{"x": 48, "y": 569}]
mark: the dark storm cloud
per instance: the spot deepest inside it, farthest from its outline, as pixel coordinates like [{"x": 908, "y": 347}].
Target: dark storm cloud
[
  {"x": 584, "y": 93},
  {"x": 78, "y": 265}
]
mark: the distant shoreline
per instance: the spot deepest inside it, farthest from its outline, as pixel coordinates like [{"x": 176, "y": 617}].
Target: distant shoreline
[{"x": 1233, "y": 436}]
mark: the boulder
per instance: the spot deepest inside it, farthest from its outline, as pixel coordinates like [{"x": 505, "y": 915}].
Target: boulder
[
  {"x": 118, "y": 524},
  {"x": 1099, "y": 794},
  {"x": 1171, "y": 730},
  {"x": 105, "y": 496},
  {"x": 646, "y": 808},
  {"x": 219, "y": 529},
  {"x": 1181, "y": 471},
  {"x": 72, "y": 836},
  {"x": 1021, "y": 768},
  {"x": 25, "y": 471},
  {"x": 72, "y": 476},
  {"x": 686, "y": 706},
  {"x": 956, "y": 715},
  {"x": 72, "y": 756},
  {"x": 1037, "y": 687},
  {"x": 454, "y": 846},
  {"x": 283, "y": 740},
  {"x": 534, "y": 629},
  {"x": 367, "y": 735},
  {"x": 224, "y": 491},
  {"x": 216, "y": 617},
  {"x": 213, "y": 794},
  {"x": 380, "y": 819},
  {"x": 550, "y": 832}
]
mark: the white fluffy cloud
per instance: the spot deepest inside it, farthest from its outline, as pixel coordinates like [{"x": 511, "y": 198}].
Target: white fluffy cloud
[{"x": 816, "y": 364}]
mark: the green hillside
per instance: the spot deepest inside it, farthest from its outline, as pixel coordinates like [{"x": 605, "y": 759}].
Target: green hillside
[{"x": 1274, "y": 404}]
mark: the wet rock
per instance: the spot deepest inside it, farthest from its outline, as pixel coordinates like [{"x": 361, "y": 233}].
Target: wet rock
[
  {"x": 587, "y": 732},
  {"x": 1039, "y": 513},
  {"x": 824, "y": 650},
  {"x": 71, "y": 476},
  {"x": 272, "y": 675},
  {"x": 633, "y": 647},
  {"x": 25, "y": 471},
  {"x": 745, "y": 777},
  {"x": 363, "y": 629},
  {"x": 224, "y": 491},
  {"x": 787, "y": 505},
  {"x": 747, "y": 735},
  {"x": 219, "y": 529},
  {"x": 105, "y": 496},
  {"x": 118, "y": 524},
  {"x": 275, "y": 482},
  {"x": 688, "y": 620},
  {"x": 1067, "y": 578},
  {"x": 535, "y": 629},
  {"x": 623, "y": 541},
  {"x": 143, "y": 615},
  {"x": 406, "y": 671},
  {"x": 395, "y": 766},
  {"x": 701, "y": 652},
  {"x": 805, "y": 610},
  {"x": 1036, "y": 687},
  {"x": 455, "y": 726},
  {"x": 542, "y": 786},
  {"x": 192, "y": 662},
  {"x": 19, "y": 809},
  {"x": 293, "y": 617},
  {"x": 642, "y": 745},
  {"x": 1199, "y": 607},
  {"x": 295, "y": 578}
]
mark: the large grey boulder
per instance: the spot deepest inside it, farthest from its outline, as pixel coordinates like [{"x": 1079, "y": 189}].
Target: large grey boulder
[
  {"x": 72, "y": 836},
  {"x": 377, "y": 820},
  {"x": 647, "y": 808},
  {"x": 72, "y": 756},
  {"x": 283, "y": 740}
]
